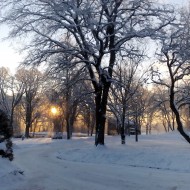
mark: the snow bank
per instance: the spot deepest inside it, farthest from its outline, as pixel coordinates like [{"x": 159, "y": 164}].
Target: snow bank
[
  {"x": 10, "y": 175},
  {"x": 166, "y": 152}
]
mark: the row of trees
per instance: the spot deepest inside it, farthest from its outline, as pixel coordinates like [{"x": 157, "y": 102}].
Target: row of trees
[
  {"x": 70, "y": 92},
  {"x": 92, "y": 38},
  {"x": 20, "y": 94}
]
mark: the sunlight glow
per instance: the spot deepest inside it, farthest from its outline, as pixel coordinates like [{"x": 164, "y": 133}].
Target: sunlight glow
[{"x": 54, "y": 110}]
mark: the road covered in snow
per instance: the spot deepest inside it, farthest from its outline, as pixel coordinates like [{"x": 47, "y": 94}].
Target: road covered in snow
[{"x": 156, "y": 162}]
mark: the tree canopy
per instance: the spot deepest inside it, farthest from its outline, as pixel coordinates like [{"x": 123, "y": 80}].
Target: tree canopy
[{"x": 93, "y": 34}]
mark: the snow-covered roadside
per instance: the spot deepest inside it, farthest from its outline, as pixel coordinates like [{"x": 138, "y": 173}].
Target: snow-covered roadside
[
  {"x": 156, "y": 161},
  {"x": 167, "y": 152},
  {"x": 10, "y": 175}
]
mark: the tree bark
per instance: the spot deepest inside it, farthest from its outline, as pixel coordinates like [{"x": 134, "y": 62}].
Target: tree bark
[
  {"x": 122, "y": 131},
  {"x": 179, "y": 123},
  {"x": 101, "y": 104},
  {"x": 176, "y": 112},
  {"x": 28, "y": 120},
  {"x": 92, "y": 124},
  {"x": 136, "y": 134},
  {"x": 68, "y": 129}
]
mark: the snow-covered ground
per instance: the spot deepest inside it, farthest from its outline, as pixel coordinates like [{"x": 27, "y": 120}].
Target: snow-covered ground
[{"x": 156, "y": 162}]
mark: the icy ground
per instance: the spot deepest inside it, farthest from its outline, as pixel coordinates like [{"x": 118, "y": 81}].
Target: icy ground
[{"x": 156, "y": 162}]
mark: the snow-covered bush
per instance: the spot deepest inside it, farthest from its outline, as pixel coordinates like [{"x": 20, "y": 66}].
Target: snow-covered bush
[{"x": 5, "y": 137}]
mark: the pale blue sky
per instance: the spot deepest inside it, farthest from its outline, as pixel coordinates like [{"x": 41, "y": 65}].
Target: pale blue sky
[{"x": 9, "y": 56}]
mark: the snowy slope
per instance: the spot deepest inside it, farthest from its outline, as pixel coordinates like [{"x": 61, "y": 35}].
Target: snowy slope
[{"x": 155, "y": 162}]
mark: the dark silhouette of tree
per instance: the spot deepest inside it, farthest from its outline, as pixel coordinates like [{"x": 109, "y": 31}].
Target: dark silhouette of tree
[
  {"x": 175, "y": 56},
  {"x": 5, "y": 136}
]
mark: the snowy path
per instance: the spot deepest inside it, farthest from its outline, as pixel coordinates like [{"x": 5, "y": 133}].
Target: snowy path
[{"x": 44, "y": 171}]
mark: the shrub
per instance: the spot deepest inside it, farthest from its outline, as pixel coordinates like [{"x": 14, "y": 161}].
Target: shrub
[{"x": 5, "y": 136}]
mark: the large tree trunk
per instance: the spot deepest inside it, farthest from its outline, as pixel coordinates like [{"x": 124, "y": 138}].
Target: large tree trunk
[
  {"x": 12, "y": 117},
  {"x": 179, "y": 123},
  {"x": 28, "y": 120},
  {"x": 101, "y": 104},
  {"x": 177, "y": 115},
  {"x": 70, "y": 119}
]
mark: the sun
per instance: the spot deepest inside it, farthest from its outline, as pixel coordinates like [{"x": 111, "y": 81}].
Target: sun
[{"x": 54, "y": 110}]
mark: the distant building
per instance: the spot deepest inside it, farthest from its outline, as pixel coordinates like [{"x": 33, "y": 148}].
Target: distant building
[{"x": 113, "y": 127}]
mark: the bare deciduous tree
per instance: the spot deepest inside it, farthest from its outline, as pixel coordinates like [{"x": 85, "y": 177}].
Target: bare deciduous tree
[
  {"x": 99, "y": 30},
  {"x": 11, "y": 91},
  {"x": 122, "y": 93},
  {"x": 32, "y": 80},
  {"x": 175, "y": 55}
]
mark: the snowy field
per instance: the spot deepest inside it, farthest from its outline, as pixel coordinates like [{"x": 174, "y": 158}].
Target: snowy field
[{"x": 155, "y": 162}]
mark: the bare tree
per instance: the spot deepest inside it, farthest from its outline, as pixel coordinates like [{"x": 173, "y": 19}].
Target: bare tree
[
  {"x": 162, "y": 105},
  {"x": 11, "y": 91},
  {"x": 68, "y": 90},
  {"x": 32, "y": 80},
  {"x": 148, "y": 109},
  {"x": 87, "y": 106},
  {"x": 175, "y": 55},
  {"x": 122, "y": 93},
  {"x": 99, "y": 30}
]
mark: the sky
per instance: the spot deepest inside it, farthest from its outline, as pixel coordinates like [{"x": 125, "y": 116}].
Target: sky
[{"x": 9, "y": 56}]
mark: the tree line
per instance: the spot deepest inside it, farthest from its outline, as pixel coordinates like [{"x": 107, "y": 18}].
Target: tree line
[
  {"x": 28, "y": 96},
  {"x": 92, "y": 39}
]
